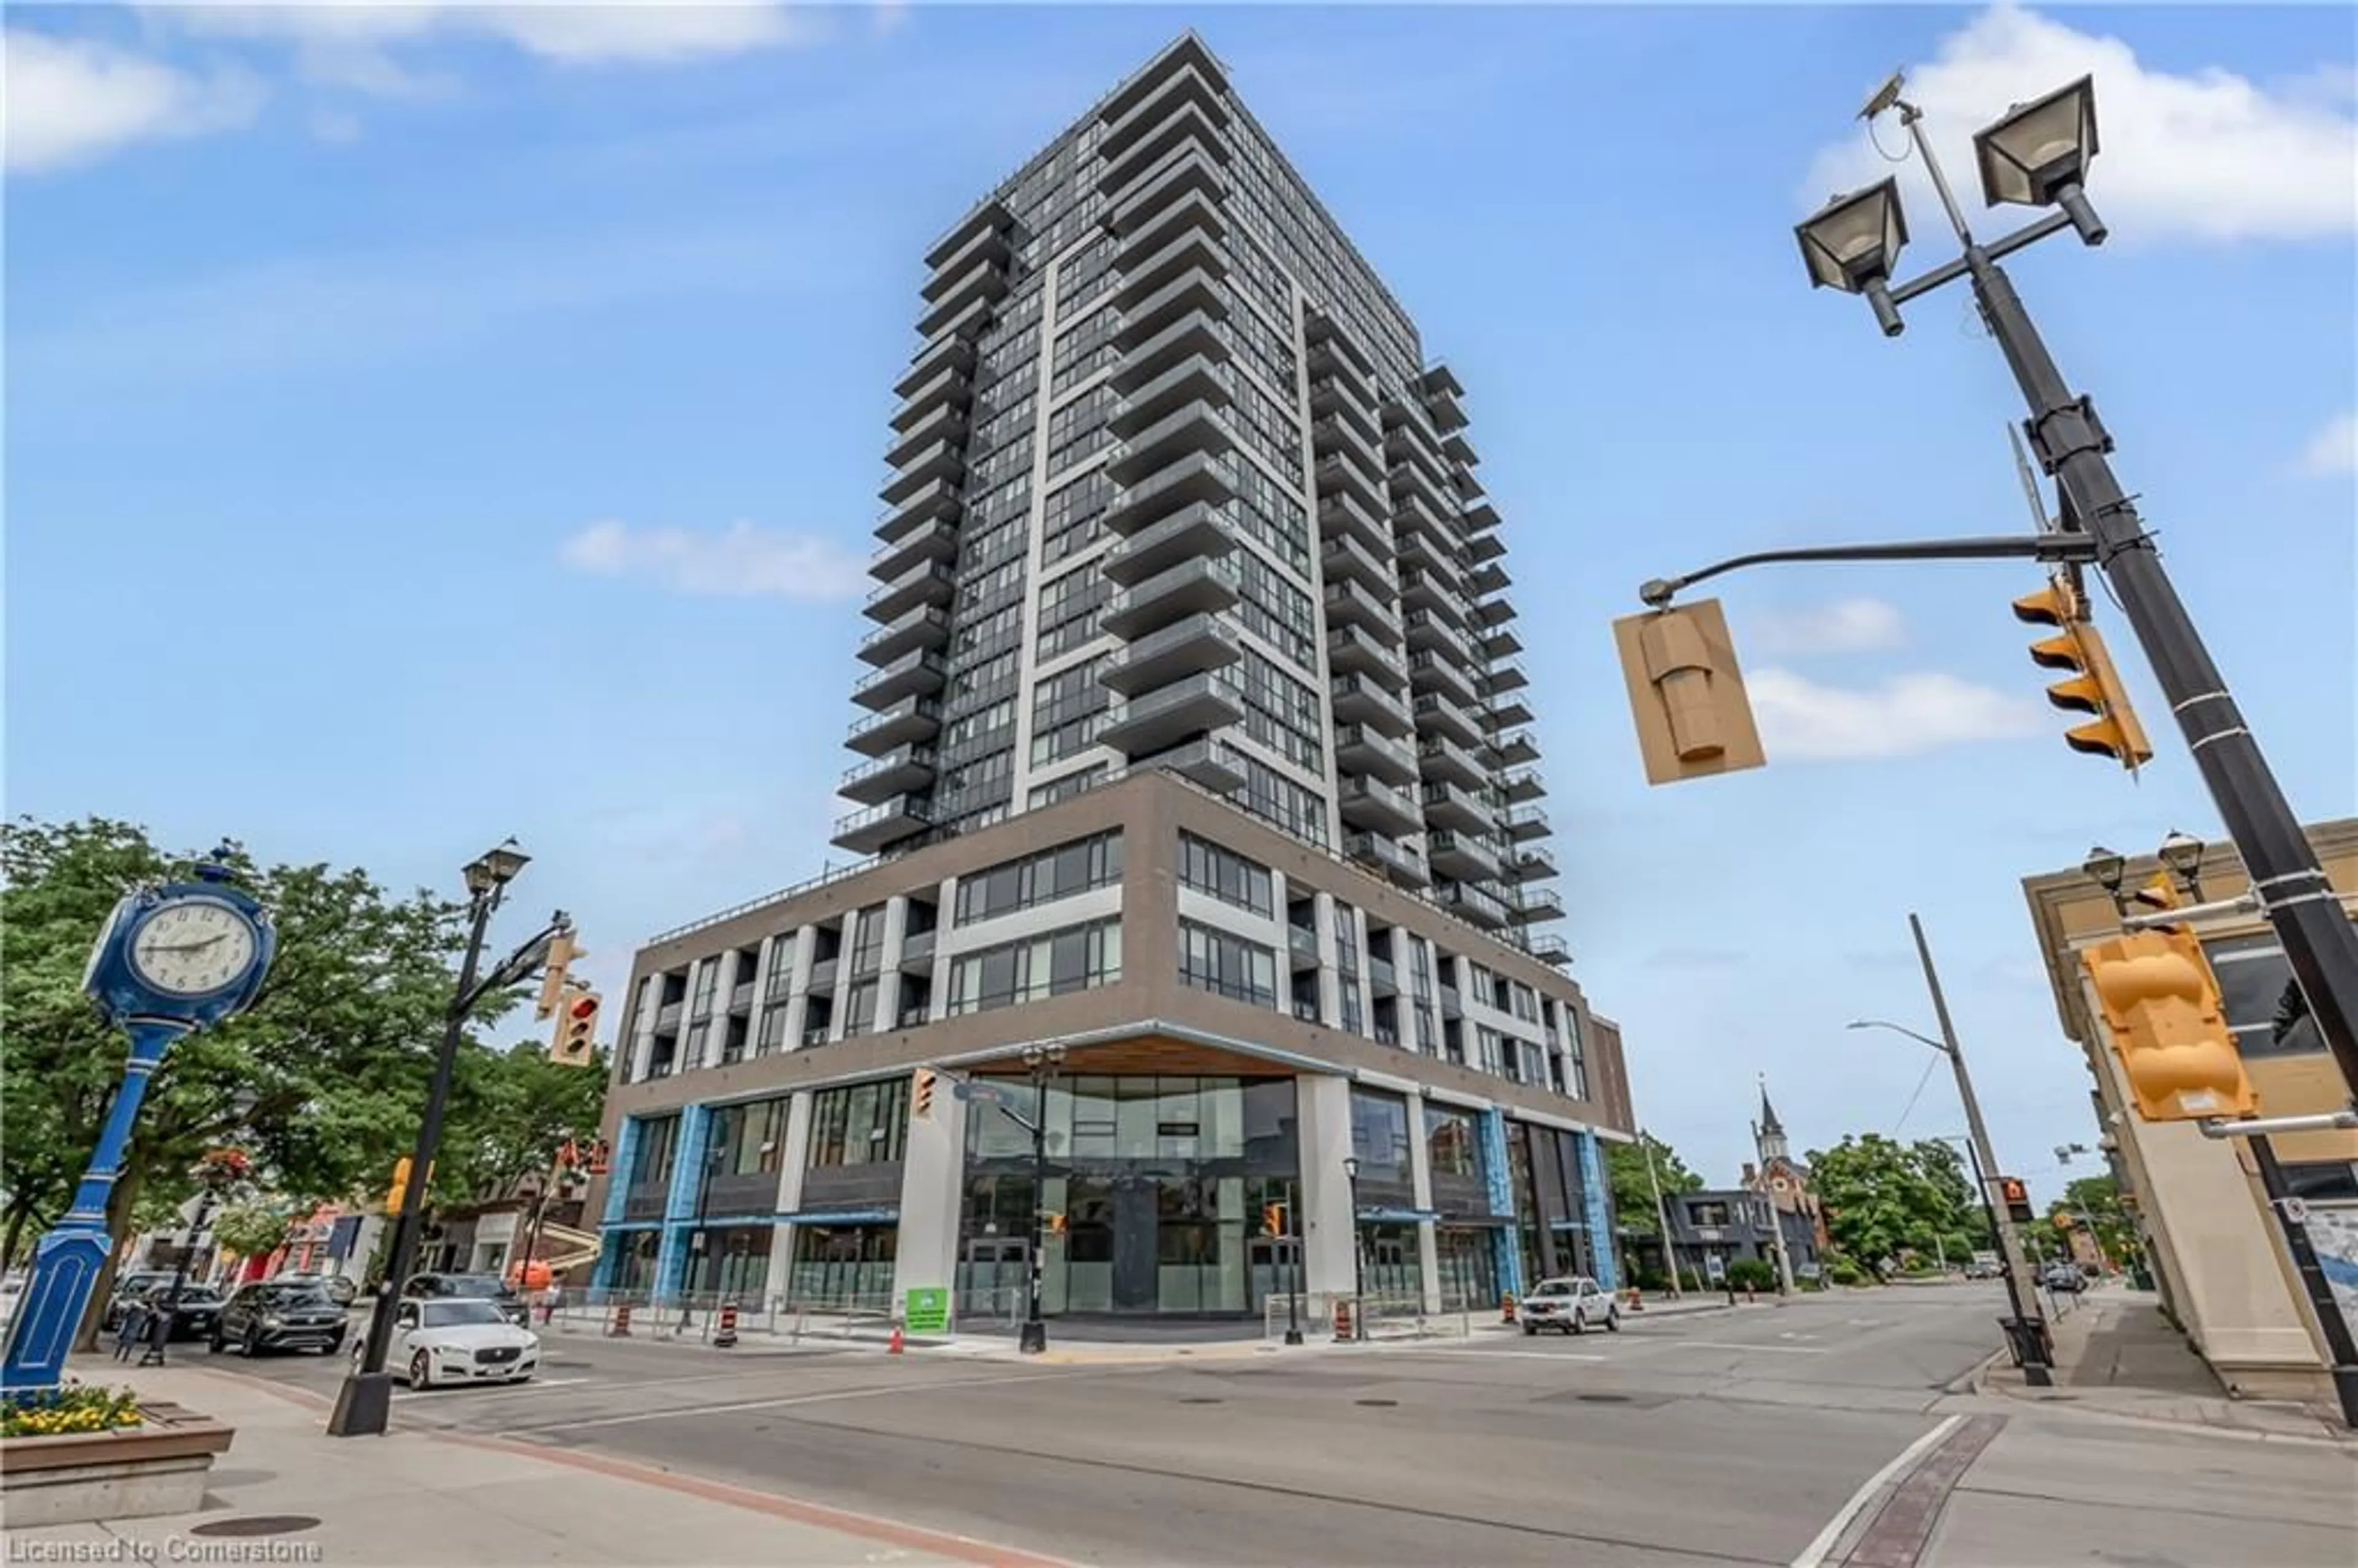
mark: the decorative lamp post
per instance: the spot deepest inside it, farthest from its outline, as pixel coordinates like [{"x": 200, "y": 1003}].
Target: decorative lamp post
[
  {"x": 173, "y": 958},
  {"x": 1359, "y": 1253},
  {"x": 217, "y": 1173}
]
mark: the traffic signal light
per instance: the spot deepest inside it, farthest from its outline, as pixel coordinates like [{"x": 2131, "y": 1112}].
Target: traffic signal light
[
  {"x": 1686, "y": 693},
  {"x": 601, "y": 1155},
  {"x": 1273, "y": 1219},
  {"x": 575, "y": 1043},
  {"x": 2095, "y": 687},
  {"x": 2063, "y": 1222},
  {"x": 2160, "y": 1001},
  {"x": 921, "y": 1093},
  {"x": 400, "y": 1189},
  {"x": 553, "y": 985},
  {"x": 1054, "y": 1223},
  {"x": 2017, "y": 1199}
]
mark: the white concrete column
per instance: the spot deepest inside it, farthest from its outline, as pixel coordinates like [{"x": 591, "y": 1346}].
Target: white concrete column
[
  {"x": 798, "y": 986},
  {"x": 945, "y": 911},
  {"x": 933, "y": 1179},
  {"x": 764, "y": 959},
  {"x": 1329, "y": 1241},
  {"x": 1420, "y": 1173},
  {"x": 643, "y": 1026},
  {"x": 1352, "y": 932},
  {"x": 724, "y": 983},
  {"x": 792, "y": 1160},
  {"x": 1330, "y": 982},
  {"x": 888, "y": 983}
]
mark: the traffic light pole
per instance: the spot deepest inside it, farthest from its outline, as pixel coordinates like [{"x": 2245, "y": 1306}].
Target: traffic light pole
[
  {"x": 2022, "y": 1291},
  {"x": 2321, "y": 943},
  {"x": 2341, "y": 1350},
  {"x": 1034, "y": 1337}
]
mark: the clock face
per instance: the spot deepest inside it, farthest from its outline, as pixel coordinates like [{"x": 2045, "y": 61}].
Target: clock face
[{"x": 194, "y": 947}]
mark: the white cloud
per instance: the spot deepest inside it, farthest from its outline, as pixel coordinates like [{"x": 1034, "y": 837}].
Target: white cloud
[
  {"x": 1846, "y": 626},
  {"x": 2335, "y": 448},
  {"x": 73, "y": 100},
  {"x": 351, "y": 44},
  {"x": 1901, "y": 717},
  {"x": 741, "y": 561},
  {"x": 2210, "y": 155}
]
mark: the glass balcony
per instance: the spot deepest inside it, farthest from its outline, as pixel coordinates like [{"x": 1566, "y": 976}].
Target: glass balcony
[
  {"x": 917, "y": 954},
  {"x": 1471, "y": 904},
  {"x": 1162, "y": 717},
  {"x": 942, "y": 459},
  {"x": 919, "y": 674},
  {"x": 1538, "y": 904},
  {"x": 1486, "y": 547},
  {"x": 1478, "y": 517},
  {"x": 1358, "y": 700},
  {"x": 895, "y": 773},
  {"x": 1182, "y": 126},
  {"x": 1459, "y": 450},
  {"x": 1501, "y": 643},
  {"x": 1439, "y": 757},
  {"x": 929, "y": 582},
  {"x": 1195, "y": 645},
  {"x": 1440, "y": 715},
  {"x": 1214, "y": 764},
  {"x": 1522, "y": 784},
  {"x": 1193, "y": 211},
  {"x": 986, "y": 246},
  {"x": 1448, "y": 805},
  {"x": 1504, "y": 675},
  {"x": 1197, "y": 377},
  {"x": 945, "y": 423},
  {"x": 1197, "y": 288},
  {"x": 934, "y": 541},
  {"x": 978, "y": 284},
  {"x": 1428, "y": 631},
  {"x": 944, "y": 388},
  {"x": 1465, "y": 856},
  {"x": 1184, "y": 589},
  {"x": 1370, "y": 803},
  {"x": 1194, "y": 170},
  {"x": 928, "y": 626},
  {"x": 1420, "y": 589},
  {"x": 1530, "y": 865},
  {"x": 953, "y": 353},
  {"x": 1487, "y": 579},
  {"x": 866, "y": 832},
  {"x": 911, "y": 718},
  {"x": 1194, "y": 531},
  {"x": 1198, "y": 476},
  {"x": 1303, "y": 946},
  {"x": 1334, "y": 399},
  {"x": 1552, "y": 950},
  {"x": 1195, "y": 427},
  {"x": 1527, "y": 822},
  {"x": 970, "y": 234},
  {"x": 1493, "y": 612},
  {"x": 1347, "y": 560},
  {"x": 1351, "y": 604},
  {"x": 1190, "y": 249},
  {"x": 1359, "y": 749},
  {"x": 1514, "y": 746},
  {"x": 1351, "y": 651},
  {"x": 1344, "y": 515},
  {"x": 939, "y": 499},
  {"x": 1338, "y": 475},
  {"x": 1197, "y": 332},
  {"x": 1340, "y": 436},
  {"x": 972, "y": 315},
  {"x": 1389, "y": 857},
  {"x": 1142, "y": 112},
  {"x": 1437, "y": 672},
  {"x": 1332, "y": 343},
  {"x": 1505, "y": 711},
  {"x": 1420, "y": 550}
]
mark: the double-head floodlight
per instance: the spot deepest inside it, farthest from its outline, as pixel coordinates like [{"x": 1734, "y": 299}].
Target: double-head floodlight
[
  {"x": 2038, "y": 156},
  {"x": 1853, "y": 243}
]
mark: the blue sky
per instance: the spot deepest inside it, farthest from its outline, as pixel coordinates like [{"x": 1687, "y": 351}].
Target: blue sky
[{"x": 471, "y": 419}]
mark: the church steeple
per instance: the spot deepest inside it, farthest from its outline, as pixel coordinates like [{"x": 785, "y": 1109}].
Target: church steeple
[{"x": 1772, "y": 1131}]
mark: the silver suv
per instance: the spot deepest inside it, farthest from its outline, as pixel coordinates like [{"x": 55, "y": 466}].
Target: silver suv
[{"x": 1568, "y": 1306}]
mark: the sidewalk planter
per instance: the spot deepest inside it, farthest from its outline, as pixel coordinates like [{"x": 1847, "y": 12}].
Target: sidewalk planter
[{"x": 156, "y": 1468}]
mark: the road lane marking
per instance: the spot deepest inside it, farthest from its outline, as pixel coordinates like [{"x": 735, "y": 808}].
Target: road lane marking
[
  {"x": 814, "y": 1398},
  {"x": 1815, "y": 1553},
  {"x": 524, "y": 1388},
  {"x": 1734, "y": 1345}
]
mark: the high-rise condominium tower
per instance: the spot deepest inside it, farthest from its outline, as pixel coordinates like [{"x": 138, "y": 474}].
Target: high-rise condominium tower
[{"x": 1173, "y": 487}]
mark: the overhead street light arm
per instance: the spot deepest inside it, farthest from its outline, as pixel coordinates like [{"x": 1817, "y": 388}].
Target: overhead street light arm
[
  {"x": 1950, "y": 271},
  {"x": 1898, "y": 1029},
  {"x": 518, "y": 966},
  {"x": 2052, "y": 547}
]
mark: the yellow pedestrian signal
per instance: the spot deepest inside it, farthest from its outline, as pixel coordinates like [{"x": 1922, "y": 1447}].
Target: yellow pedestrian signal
[
  {"x": 576, "y": 1042},
  {"x": 1273, "y": 1219},
  {"x": 1054, "y": 1223},
  {"x": 562, "y": 954},
  {"x": 921, "y": 1093},
  {"x": 1686, "y": 693},
  {"x": 2063, "y": 1222},
  {"x": 2017, "y": 1198},
  {"x": 400, "y": 1190},
  {"x": 2095, "y": 688},
  {"x": 2161, "y": 1004}
]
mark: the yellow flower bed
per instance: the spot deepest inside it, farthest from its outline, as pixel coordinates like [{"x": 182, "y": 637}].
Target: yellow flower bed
[{"x": 62, "y": 1412}]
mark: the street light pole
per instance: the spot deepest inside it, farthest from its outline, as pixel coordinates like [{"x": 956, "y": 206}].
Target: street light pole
[
  {"x": 366, "y": 1398},
  {"x": 2020, "y": 1284},
  {"x": 1359, "y": 1253},
  {"x": 1042, "y": 1061},
  {"x": 1292, "y": 1269}
]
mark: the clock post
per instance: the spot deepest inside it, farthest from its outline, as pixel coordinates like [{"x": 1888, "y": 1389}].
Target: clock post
[{"x": 172, "y": 960}]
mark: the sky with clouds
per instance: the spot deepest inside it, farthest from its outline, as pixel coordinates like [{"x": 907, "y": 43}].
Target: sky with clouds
[{"x": 431, "y": 423}]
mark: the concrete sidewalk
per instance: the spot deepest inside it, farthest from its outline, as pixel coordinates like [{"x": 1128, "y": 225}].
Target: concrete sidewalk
[
  {"x": 471, "y": 1502},
  {"x": 2117, "y": 1356}
]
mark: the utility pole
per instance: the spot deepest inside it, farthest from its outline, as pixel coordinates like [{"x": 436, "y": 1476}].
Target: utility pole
[
  {"x": 1661, "y": 1214},
  {"x": 2021, "y": 1289}
]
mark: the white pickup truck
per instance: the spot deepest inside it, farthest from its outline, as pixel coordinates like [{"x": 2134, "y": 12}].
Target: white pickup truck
[{"x": 1569, "y": 1305}]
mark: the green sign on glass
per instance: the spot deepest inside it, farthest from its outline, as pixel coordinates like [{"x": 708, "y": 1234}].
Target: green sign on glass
[{"x": 928, "y": 1310}]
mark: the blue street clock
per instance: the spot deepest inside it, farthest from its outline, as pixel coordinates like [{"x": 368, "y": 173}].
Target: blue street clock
[{"x": 171, "y": 959}]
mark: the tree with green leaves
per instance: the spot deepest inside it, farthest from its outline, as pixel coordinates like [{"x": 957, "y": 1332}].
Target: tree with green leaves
[
  {"x": 333, "y": 1056},
  {"x": 253, "y": 1229},
  {"x": 1633, "y": 1184},
  {"x": 510, "y": 1111},
  {"x": 1884, "y": 1199}
]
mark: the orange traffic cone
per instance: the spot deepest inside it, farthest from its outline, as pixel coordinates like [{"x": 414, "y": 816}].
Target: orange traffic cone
[{"x": 892, "y": 1346}]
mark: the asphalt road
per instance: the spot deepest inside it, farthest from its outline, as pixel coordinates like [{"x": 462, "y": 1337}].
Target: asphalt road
[{"x": 1728, "y": 1436}]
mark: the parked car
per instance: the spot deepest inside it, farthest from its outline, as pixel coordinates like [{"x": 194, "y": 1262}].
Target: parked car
[
  {"x": 2064, "y": 1277},
  {"x": 340, "y": 1289},
  {"x": 192, "y": 1315},
  {"x": 279, "y": 1315},
  {"x": 1568, "y": 1306},
  {"x": 458, "y": 1339},
  {"x": 131, "y": 1284},
  {"x": 469, "y": 1287}
]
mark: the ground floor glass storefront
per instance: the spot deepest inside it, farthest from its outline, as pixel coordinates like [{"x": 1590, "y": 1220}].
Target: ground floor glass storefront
[
  {"x": 842, "y": 1265},
  {"x": 1468, "y": 1256},
  {"x": 1162, "y": 1182}
]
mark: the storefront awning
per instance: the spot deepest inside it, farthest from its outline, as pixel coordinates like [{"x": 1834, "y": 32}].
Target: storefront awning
[
  {"x": 1476, "y": 1221},
  {"x": 842, "y": 1217},
  {"x": 1397, "y": 1216}
]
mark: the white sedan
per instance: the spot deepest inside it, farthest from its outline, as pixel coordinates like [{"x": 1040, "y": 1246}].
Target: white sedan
[{"x": 458, "y": 1340}]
